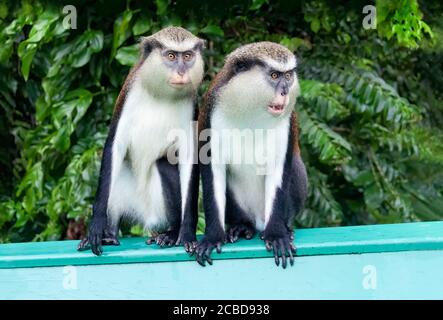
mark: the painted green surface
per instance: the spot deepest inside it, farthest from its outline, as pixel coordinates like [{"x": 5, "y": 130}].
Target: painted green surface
[
  {"x": 389, "y": 275},
  {"x": 320, "y": 241}
]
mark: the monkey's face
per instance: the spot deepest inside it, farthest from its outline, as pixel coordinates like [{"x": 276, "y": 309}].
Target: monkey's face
[
  {"x": 262, "y": 89},
  {"x": 172, "y": 73},
  {"x": 285, "y": 85}
]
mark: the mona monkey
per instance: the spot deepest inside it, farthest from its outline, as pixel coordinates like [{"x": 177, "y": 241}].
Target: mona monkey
[
  {"x": 256, "y": 89},
  {"x": 137, "y": 179}
]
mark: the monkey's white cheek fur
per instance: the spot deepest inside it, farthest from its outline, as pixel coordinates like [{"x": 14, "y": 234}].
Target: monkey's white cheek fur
[
  {"x": 155, "y": 75},
  {"x": 196, "y": 72},
  {"x": 248, "y": 92}
]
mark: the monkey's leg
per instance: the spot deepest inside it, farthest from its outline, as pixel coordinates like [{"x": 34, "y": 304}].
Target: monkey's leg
[
  {"x": 111, "y": 165},
  {"x": 214, "y": 199},
  {"x": 288, "y": 201},
  {"x": 189, "y": 186},
  {"x": 170, "y": 181},
  {"x": 188, "y": 226},
  {"x": 239, "y": 224}
]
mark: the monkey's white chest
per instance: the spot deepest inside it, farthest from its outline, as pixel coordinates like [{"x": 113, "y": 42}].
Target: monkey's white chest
[
  {"x": 144, "y": 134},
  {"x": 252, "y": 151}
]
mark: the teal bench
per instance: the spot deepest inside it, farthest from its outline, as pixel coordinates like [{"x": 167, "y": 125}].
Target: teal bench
[{"x": 401, "y": 261}]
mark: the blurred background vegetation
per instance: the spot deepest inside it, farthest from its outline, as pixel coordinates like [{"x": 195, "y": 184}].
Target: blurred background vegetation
[{"x": 371, "y": 110}]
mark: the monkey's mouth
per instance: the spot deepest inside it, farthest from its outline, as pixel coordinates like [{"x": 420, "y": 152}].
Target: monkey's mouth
[
  {"x": 178, "y": 84},
  {"x": 276, "y": 108}
]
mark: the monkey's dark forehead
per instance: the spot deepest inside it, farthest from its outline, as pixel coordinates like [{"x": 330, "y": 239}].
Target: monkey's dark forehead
[{"x": 261, "y": 50}]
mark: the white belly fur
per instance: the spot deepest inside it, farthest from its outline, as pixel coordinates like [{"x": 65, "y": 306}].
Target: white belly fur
[
  {"x": 247, "y": 182},
  {"x": 141, "y": 139}
]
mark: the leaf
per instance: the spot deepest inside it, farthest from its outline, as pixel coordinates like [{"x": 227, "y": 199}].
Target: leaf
[
  {"x": 26, "y": 60},
  {"x": 96, "y": 40},
  {"x": 373, "y": 197},
  {"x": 42, "y": 27},
  {"x": 122, "y": 30},
  {"x": 128, "y": 56},
  {"x": 6, "y": 51},
  {"x": 257, "y": 4},
  {"x": 294, "y": 43},
  {"x": 142, "y": 26},
  {"x": 315, "y": 25},
  {"x": 162, "y": 7},
  {"x": 82, "y": 58},
  {"x": 3, "y": 10},
  {"x": 212, "y": 30},
  {"x": 62, "y": 139}
]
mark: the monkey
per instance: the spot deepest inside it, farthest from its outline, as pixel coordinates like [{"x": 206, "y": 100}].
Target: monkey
[
  {"x": 137, "y": 180},
  {"x": 257, "y": 88}
]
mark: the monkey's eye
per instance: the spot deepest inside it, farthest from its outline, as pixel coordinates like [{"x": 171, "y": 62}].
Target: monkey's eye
[
  {"x": 187, "y": 56},
  {"x": 171, "y": 56},
  {"x": 274, "y": 75},
  {"x": 288, "y": 75}
]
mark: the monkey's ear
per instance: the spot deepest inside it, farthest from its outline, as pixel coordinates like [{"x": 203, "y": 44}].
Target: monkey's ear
[
  {"x": 201, "y": 44},
  {"x": 147, "y": 44}
]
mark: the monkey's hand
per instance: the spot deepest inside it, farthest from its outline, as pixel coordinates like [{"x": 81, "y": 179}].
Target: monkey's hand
[
  {"x": 204, "y": 248},
  {"x": 95, "y": 237},
  {"x": 239, "y": 230},
  {"x": 167, "y": 239},
  {"x": 282, "y": 246},
  {"x": 187, "y": 240}
]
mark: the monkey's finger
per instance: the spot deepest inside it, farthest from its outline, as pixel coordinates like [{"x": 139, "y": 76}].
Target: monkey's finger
[
  {"x": 96, "y": 244},
  {"x": 275, "y": 249},
  {"x": 237, "y": 232},
  {"x": 282, "y": 249},
  {"x": 291, "y": 257},
  {"x": 207, "y": 255},
  {"x": 201, "y": 261},
  {"x": 201, "y": 256},
  {"x": 192, "y": 247},
  {"x": 99, "y": 244},
  {"x": 188, "y": 247},
  {"x": 84, "y": 245},
  {"x": 171, "y": 242},
  {"x": 249, "y": 234},
  {"x": 219, "y": 249},
  {"x": 229, "y": 236},
  {"x": 268, "y": 245},
  {"x": 262, "y": 236},
  {"x": 232, "y": 235}
]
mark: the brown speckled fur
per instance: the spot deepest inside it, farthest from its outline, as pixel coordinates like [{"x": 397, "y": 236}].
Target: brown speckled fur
[
  {"x": 260, "y": 50},
  {"x": 176, "y": 34}
]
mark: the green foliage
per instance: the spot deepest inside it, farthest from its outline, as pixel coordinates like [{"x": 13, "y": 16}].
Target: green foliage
[{"x": 370, "y": 112}]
